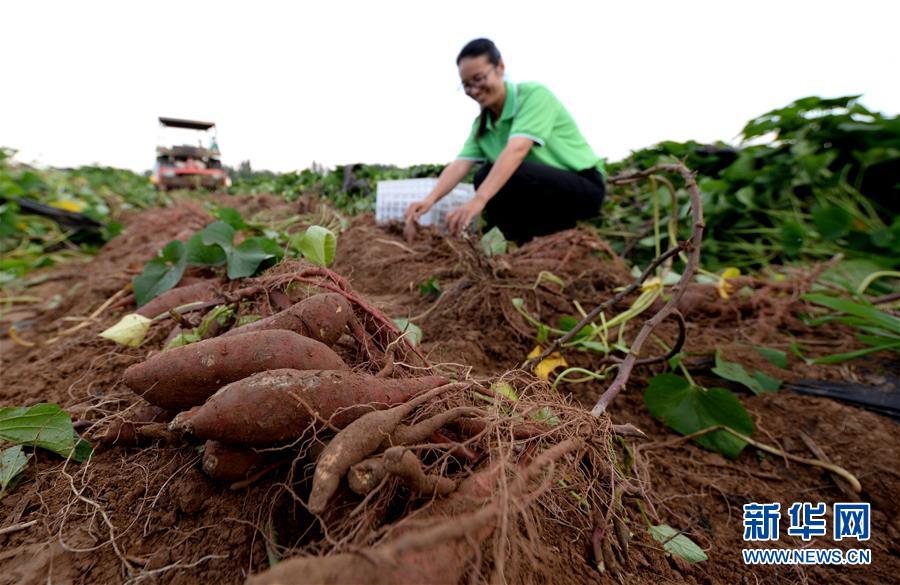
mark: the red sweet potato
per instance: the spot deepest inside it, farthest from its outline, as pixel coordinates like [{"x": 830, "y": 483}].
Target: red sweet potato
[
  {"x": 186, "y": 376},
  {"x": 228, "y": 463},
  {"x": 278, "y": 406},
  {"x": 199, "y": 292},
  {"x": 322, "y": 317}
]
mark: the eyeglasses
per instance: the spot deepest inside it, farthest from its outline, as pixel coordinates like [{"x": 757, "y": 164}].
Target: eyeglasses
[{"x": 477, "y": 81}]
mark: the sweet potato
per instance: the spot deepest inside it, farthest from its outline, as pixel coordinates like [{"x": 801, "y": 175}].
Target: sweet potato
[
  {"x": 279, "y": 405},
  {"x": 322, "y": 317},
  {"x": 187, "y": 376},
  {"x": 229, "y": 463},
  {"x": 183, "y": 295}
]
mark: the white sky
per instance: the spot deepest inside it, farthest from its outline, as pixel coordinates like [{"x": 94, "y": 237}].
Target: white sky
[{"x": 340, "y": 82}]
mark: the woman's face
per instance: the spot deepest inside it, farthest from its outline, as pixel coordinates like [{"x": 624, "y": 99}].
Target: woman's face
[{"x": 482, "y": 80}]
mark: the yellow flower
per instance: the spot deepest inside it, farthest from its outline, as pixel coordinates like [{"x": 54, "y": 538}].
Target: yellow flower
[
  {"x": 546, "y": 366},
  {"x": 724, "y": 287},
  {"x": 69, "y": 205}
]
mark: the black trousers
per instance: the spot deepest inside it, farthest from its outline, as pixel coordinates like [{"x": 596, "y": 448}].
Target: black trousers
[{"x": 540, "y": 199}]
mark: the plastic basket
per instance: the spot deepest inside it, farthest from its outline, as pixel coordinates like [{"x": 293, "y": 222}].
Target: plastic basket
[{"x": 393, "y": 197}]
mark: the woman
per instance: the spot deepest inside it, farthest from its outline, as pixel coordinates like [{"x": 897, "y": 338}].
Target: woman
[{"x": 539, "y": 175}]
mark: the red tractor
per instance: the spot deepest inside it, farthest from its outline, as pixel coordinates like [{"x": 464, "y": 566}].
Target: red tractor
[{"x": 188, "y": 157}]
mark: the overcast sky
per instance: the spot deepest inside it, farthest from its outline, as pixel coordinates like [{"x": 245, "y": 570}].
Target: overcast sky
[{"x": 376, "y": 82}]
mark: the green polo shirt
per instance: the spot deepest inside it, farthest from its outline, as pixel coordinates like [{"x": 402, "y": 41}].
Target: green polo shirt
[{"x": 531, "y": 110}]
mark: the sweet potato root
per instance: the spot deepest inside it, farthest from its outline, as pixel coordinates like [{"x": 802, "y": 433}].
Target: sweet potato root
[
  {"x": 121, "y": 433},
  {"x": 322, "y": 317},
  {"x": 187, "y": 376},
  {"x": 357, "y": 441},
  {"x": 199, "y": 292},
  {"x": 279, "y": 405},
  {"x": 229, "y": 463},
  {"x": 437, "y": 555}
]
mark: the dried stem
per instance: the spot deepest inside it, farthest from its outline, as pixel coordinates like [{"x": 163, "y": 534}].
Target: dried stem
[{"x": 693, "y": 247}]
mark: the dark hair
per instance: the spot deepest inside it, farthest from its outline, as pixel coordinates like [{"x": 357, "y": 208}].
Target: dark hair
[
  {"x": 477, "y": 48},
  {"x": 480, "y": 47}
]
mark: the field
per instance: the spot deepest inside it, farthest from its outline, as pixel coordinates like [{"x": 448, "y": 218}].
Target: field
[{"x": 593, "y": 406}]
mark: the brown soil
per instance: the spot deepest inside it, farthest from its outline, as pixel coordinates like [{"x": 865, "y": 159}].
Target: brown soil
[{"x": 172, "y": 524}]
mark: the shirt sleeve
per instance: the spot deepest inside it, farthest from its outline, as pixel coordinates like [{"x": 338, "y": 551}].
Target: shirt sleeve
[
  {"x": 536, "y": 116},
  {"x": 471, "y": 149}
]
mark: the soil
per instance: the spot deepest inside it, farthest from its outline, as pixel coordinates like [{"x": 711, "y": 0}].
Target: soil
[{"x": 169, "y": 523}]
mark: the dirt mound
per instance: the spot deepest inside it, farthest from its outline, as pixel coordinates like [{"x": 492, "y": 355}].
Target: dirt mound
[{"x": 150, "y": 514}]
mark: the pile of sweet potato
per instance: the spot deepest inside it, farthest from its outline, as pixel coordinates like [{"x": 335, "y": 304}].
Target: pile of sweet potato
[{"x": 267, "y": 383}]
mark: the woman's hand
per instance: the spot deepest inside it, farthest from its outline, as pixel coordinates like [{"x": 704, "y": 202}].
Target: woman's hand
[
  {"x": 460, "y": 218},
  {"x": 416, "y": 209}
]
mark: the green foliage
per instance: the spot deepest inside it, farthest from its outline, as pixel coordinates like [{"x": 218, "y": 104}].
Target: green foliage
[
  {"x": 412, "y": 332},
  {"x": 688, "y": 408},
  {"x": 220, "y": 314},
  {"x": 774, "y": 356},
  {"x": 211, "y": 246},
  {"x": 875, "y": 328},
  {"x": 758, "y": 383},
  {"x": 677, "y": 543},
  {"x": 350, "y": 188},
  {"x": 812, "y": 179},
  {"x": 12, "y": 462},
  {"x": 430, "y": 288},
  {"x": 317, "y": 244},
  {"x": 494, "y": 243},
  {"x": 43, "y": 425},
  {"x": 161, "y": 273},
  {"x": 28, "y": 241}
]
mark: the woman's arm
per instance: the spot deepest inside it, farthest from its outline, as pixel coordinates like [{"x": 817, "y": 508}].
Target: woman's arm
[
  {"x": 449, "y": 178},
  {"x": 509, "y": 160}
]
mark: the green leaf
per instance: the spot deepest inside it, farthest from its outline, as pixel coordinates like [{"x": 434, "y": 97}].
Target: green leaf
[
  {"x": 792, "y": 235},
  {"x": 12, "y": 462},
  {"x": 430, "y": 288},
  {"x": 543, "y": 334},
  {"x": 767, "y": 382},
  {"x": 688, "y": 409},
  {"x": 549, "y": 277},
  {"x": 83, "y": 450},
  {"x": 43, "y": 425},
  {"x": 412, "y": 331},
  {"x": 863, "y": 311},
  {"x": 851, "y": 355},
  {"x": 161, "y": 273},
  {"x": 678, "y": 544},
  {"x": 318, "y": 245},
  {"x": 775, "y": 356},
  {"x": 219, "y": 234},
  {"x": 199, "y": 253},
  {"x": 567, "y": 323},
  {"x": 832, "y": 222},
  {"x": 759, "y": 383},
  {"x": 232, "y": 217},
  {"x": 494, "y": 242},
  {"x": 250, "y": 254},
  {"x": 505, "y": 389}
]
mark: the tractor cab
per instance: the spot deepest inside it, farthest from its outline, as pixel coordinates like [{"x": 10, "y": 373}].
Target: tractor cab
[{"x": 187, "y": 156}]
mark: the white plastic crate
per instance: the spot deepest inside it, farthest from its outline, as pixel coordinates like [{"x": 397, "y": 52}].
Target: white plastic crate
[{"x": 392, "y": 198}]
